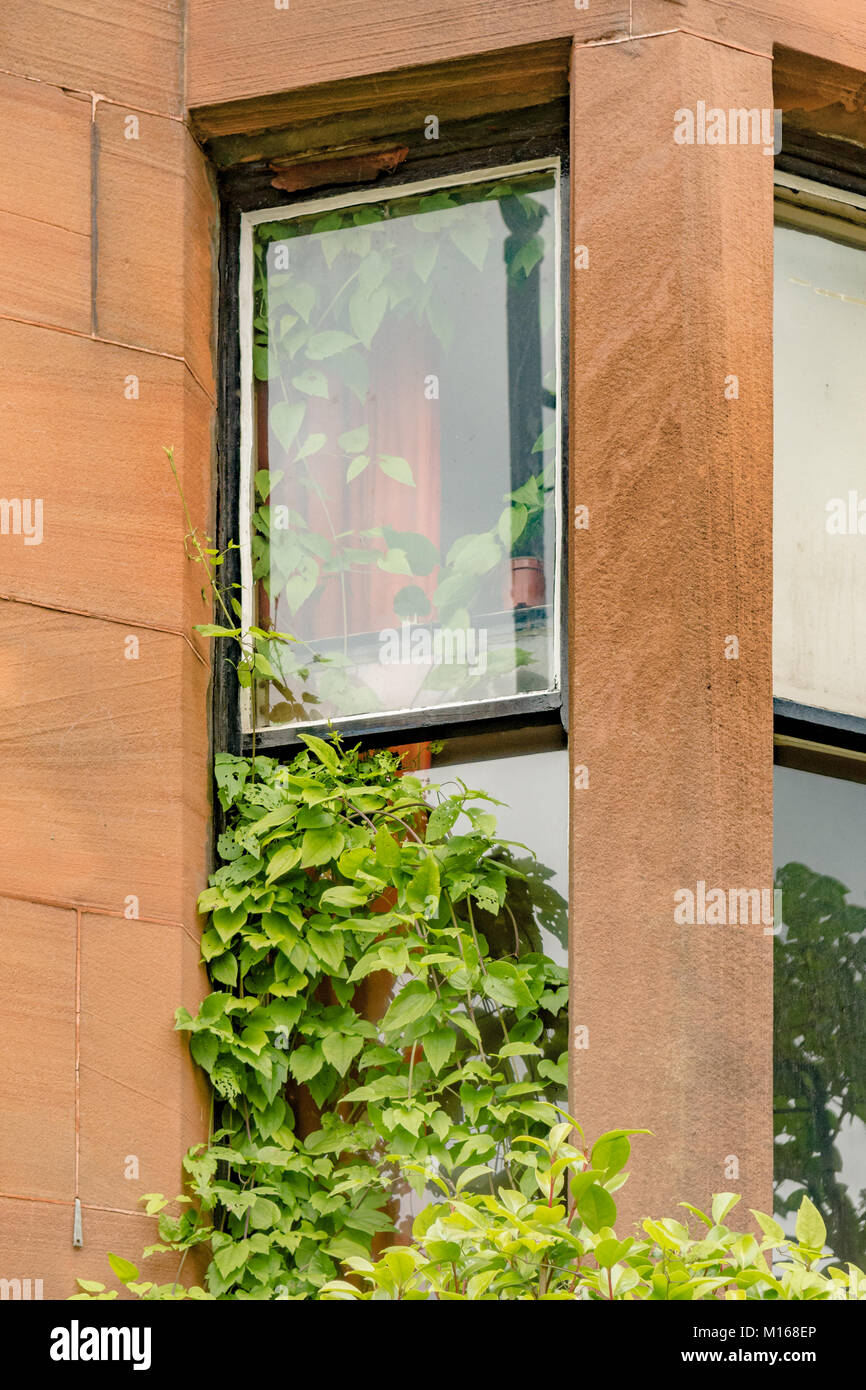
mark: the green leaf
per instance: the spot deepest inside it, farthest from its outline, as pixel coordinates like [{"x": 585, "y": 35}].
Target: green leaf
[
  {"x": 477, "y": 1170},
  {"x": 546, "y": 440},
  {"x": 596, "y": 1207},
  {"x": 383, "y": 1088},
  {"x": 264, "y": 480},
  {"x": 328, "y": 947},
  {"x": 325, "y": 752},
  {"x": 411, "y": 601},
  {"x": 723, "y": 1202},
  {"x": 213, "y": 1008},
  {"x": 311, "y": 445},
  {"x": 772, "y": 1230},
  {"x": 413, "y": 1002},
  {"x": 810, "y": 1229},
  {"x": 581, "y": 1181},
  {"x": 214, "y": 630},
  {"x": 372, "y": 271},
  {"x": 224, "y": 969},
  {"x": 609, "y": 1252},
  {"x": 231, "y": 1257},
  {"x": 285, "y": 421},
  {"x": 306, "y": 1062},
  {"x": 340, "y": 1049},
  {"x": 611, "y": 1152},
  {"x": 227, "y": 923},
  {"x": 355, "y": 441},
  {"x": 344, "y": 895},
  {"x": 323, "y": 345},
  {"x": 396, "y": 468},
  {"x": 395, "y": 562},
  {"x": 254, "y": 1038},
  {"x": 436, "y": 202},
  {"x": 527, "y": 258},
  {"x": 387, "y": 849},
  {"x": 357, "y": 466},
  {"x": 424, "y": 258},
  {"x": 212, "y": 945},
  {"x": 440, "y": 320},
  {"x": 661, "y": 1236},
  {"x": 473, "y": 239},
  {"x": 278, "y": 817},
  {"x": 438, "y": 1047},
  {"x": 204, "y": 1048},
  {"x": 422, "y": 554},
  {"x": 354, "y": 368},
  {"x": 366, "y": 313},
  {"x": 475, "y": 554},
  {"x": 696, "y": 1211},
  {"x": 422, "y": 893},
  {"x": 512, "y": 524},
  {"x": 321, "y": 846},
  {"x": 282, "y": 863},
  {"x": 441, "y": 821},
  {"x": 301, "y": 297},
  {"x": 312, "y": 383},
  {"x": 503, "y": 983},
  {"x": 520, "y": 1049},
  {"x": 122, "y": 1268},
  {"x": 302, "y": 583}
]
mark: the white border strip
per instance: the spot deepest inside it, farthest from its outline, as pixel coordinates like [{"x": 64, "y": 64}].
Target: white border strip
[
  {"x": 249, "y": 220},
  {"x": 400, "y": 190},
  {"x": 247, "y": 443},
  {"x": 825, "y": 191}
]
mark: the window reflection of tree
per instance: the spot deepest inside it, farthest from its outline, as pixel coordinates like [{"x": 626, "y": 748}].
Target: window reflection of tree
[
  {"x": 532, "y": 909},
  {"x": 820, "y": 1050}
]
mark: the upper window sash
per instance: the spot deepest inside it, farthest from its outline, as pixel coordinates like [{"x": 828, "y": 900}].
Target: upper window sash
[
  {"x": 819, "y": 478},
  {"x": 398, "y": 347}
]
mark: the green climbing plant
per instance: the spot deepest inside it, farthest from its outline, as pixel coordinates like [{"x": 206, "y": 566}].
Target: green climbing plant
[
  {"x": 557, "y": 1241},
  {"x": 336, "y": 869}
]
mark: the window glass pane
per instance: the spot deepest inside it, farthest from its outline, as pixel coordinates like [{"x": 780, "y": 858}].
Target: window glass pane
[
  {"x": 404, "y": 473},
  {"x": 533, "y": 790},
  {"x": 820, "y": 1004},
  {"x": 819, "y": 533},
  {"x": 532, "y": 927}
]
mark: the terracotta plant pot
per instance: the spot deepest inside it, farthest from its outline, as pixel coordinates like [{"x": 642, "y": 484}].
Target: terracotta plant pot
[{"x": 527, "y": 587}]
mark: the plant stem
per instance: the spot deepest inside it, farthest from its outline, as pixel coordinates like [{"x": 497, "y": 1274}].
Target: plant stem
[{"x": 411, "y": 1069}]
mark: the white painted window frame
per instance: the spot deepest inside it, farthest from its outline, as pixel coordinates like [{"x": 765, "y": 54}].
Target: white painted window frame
[{"x": 818, "y": 209}]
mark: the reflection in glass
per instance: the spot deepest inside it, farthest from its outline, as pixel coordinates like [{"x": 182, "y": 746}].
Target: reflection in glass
[
  {"x": 403, "y": 508},
  {"x": 819, "y": 516},
  {"x": 820, "y": 1004},
  {"x": 532, "y": 789}
]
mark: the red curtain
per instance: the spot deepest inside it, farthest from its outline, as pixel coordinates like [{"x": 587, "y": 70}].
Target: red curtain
[{"x": 403, "y": 423}]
